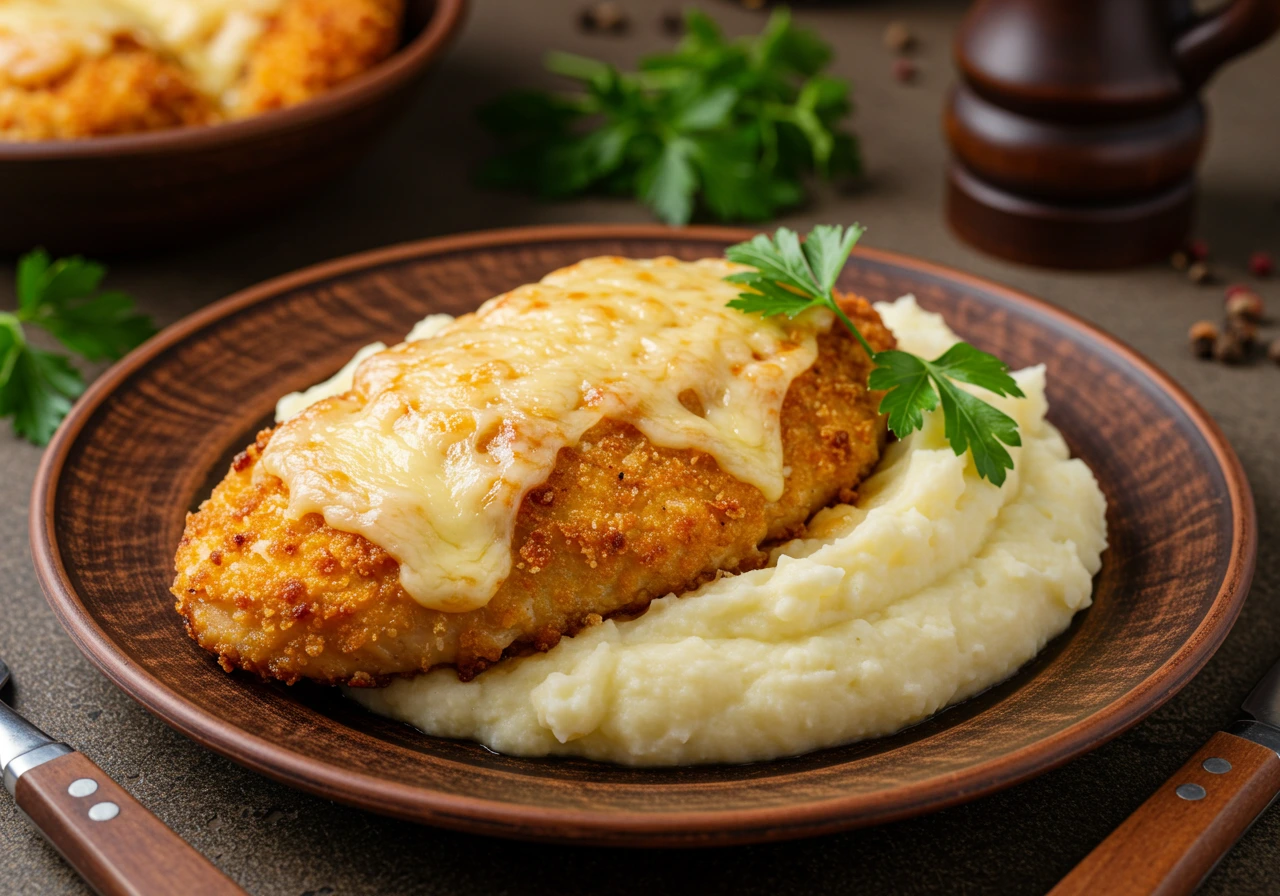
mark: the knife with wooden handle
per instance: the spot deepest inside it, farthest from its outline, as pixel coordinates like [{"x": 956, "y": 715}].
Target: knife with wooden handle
[
  {"x": 117, "y": 846},
  {"x": 1174, "y": 839}
]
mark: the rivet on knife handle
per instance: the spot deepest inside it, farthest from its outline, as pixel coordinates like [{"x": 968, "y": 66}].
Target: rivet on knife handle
[
  {"x": 118, "y": 847},
  {"x": 1176, "y": 837}
]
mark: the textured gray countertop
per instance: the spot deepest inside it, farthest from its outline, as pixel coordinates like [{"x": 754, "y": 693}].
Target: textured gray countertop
[{"x": 274, "y": 840}]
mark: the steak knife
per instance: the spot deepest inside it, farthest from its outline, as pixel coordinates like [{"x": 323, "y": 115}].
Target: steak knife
[
  {"x": 117, "y": 846},
  {"x": 1174, "y": 839}
]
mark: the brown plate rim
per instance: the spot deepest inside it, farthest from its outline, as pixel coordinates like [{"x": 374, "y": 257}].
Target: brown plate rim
[
  {"x": 393, "y": 71},
  {"x": 667, "y": 827}
]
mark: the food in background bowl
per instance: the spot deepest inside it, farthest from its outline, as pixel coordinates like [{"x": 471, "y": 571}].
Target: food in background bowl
[
  {"x": 620, "y": 455},
  {"x": 86, "y": 68}
]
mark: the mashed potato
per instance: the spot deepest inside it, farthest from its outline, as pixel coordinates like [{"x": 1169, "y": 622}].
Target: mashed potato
[{"x": 934, "y": 587}]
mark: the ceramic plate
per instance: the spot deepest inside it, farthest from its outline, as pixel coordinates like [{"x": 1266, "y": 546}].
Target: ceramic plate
[{"x": 152, "y": 436}]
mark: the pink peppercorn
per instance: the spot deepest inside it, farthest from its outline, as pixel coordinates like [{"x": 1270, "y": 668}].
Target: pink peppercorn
[
  {"x": 1244, "y": 303},
  {"x": 1261, "y": 264}
]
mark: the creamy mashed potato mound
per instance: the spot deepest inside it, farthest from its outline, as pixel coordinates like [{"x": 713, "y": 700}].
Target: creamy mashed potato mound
[{"x": 934, "y": 587}]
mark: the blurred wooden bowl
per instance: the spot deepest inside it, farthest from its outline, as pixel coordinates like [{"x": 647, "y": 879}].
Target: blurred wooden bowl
[{"x": 141, "y": 191}]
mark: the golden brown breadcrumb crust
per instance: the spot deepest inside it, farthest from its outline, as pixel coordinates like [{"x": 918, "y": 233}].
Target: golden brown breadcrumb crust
[
  {"x": 313, "y": 45},
  {"x": 618, "y": 523},
  {"x": 309, "y": 47},
  {"x": 130, "y": 89}
]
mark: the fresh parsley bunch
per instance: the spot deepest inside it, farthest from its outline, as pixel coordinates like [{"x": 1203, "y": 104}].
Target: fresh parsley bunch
[
  {"x": 791, "y": 277},
  {"x": 63, "y": 298},
  {"x": 731, "y": 126}
]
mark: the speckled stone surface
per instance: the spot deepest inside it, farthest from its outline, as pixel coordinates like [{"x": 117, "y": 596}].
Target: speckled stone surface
[{"x": 273, "y": 840}]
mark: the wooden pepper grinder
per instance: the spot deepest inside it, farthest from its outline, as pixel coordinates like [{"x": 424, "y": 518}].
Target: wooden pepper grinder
[{"x": 1076, "y": 125}]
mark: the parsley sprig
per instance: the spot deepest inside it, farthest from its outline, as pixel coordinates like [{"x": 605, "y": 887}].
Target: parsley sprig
[
  {"x": 63, "y": 298},
  {"x": 790, "y": 277},
  {"x": 731, "y": 127}
]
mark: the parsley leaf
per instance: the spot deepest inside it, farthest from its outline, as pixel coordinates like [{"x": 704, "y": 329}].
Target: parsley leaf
[
  {"x": 791, "y": 277},
  {"x": 908, "y": 392},
  {"x": 63, "y": 298},
  {"x": 727, "y": 127},
  {"x": 973, "y": 425},
  {"x": 39, "y": 392},
  {"x": 785, "y": 276},
  {"x": 909, "y": 383},
  {"x": 669, "y": 182}
]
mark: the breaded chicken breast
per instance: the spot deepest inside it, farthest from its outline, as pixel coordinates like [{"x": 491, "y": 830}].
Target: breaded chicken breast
[
  {"x": 314, "y": 45},
  {"x": 132, "y": 88},
  {"x": 90, "y": 68},
  {"x": 618, "y": 523}
]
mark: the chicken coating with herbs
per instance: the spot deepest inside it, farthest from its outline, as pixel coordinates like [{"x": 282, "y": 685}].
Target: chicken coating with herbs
[{"x": 618, "y": 523}]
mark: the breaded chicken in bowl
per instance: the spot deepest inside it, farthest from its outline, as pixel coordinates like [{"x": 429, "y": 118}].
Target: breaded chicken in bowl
[
  {"x": 71, "y": 69},
  {"x": 126, "y": 124}
]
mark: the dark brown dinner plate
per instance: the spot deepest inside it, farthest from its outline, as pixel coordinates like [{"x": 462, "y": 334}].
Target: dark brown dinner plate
[{"x": 150, "y": 438}]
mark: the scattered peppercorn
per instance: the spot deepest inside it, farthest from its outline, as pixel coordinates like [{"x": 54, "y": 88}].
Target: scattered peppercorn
[
  {"x": 1198, "y": 250},
  {"x": 1203, "y": 335},
  {"x": 904, "y": 70},
  {"x": 1228, "y": 349},
  {"x": 1261, "y": 264},
  {"x": 1242, "y": 302},
  {"x": 1245, "y": 332},
  {"x": 672, "y": 23},
  {"x": 898, "y": 38},
  {"x": 1181, "y": 260},
  {"x": 1273, "y": 350},
  {"x": 605, "y": 17},
  {"x": 1199, "y": 272}
]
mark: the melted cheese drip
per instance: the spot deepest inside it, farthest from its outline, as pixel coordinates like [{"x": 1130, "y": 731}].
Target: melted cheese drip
[
  {"x": 432, "y": 451},
  {"x": 41, "y": 39}
]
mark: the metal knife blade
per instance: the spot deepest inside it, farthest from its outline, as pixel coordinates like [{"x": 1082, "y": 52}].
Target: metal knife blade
[
  {"x": 74, "y": 803},
  {"x": 1263, "y": 707},
  {"x": 22, "y": 745},
  {"x": 1263, "y": 703}
]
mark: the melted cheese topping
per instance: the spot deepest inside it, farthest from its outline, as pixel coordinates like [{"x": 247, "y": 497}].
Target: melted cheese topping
[
  {"x": 41, "y": 39},
  {"x": 433, "y": 449},
  {"x": 935, "y": 586}
]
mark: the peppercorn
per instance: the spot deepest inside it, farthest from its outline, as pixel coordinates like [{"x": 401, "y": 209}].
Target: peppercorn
[
  {"x": 1181, "y": 260},
  {"x": 898, "y": 38},
  {"x": 1242, "y": 302},
  {"x": 1261, "y": 265},
  {"x": 1198, "y": 250},
  {"x": 1228, "y": 349},
  {"x": 1202, "y": 335},
  {"x": 904, "y": 70},
  {"x": 1273, "y": 350},
  {"x": 606, "y": 17},
  {"x": 1200, "y": 273},
  {"x": 1244, "y": 331},
  {"x": 672, "y": 22}
]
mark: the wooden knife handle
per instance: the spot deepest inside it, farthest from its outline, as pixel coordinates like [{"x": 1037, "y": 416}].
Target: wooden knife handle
[
  {"x": 119, "y": 848},
  {"x": 1175, "y": 838}
]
